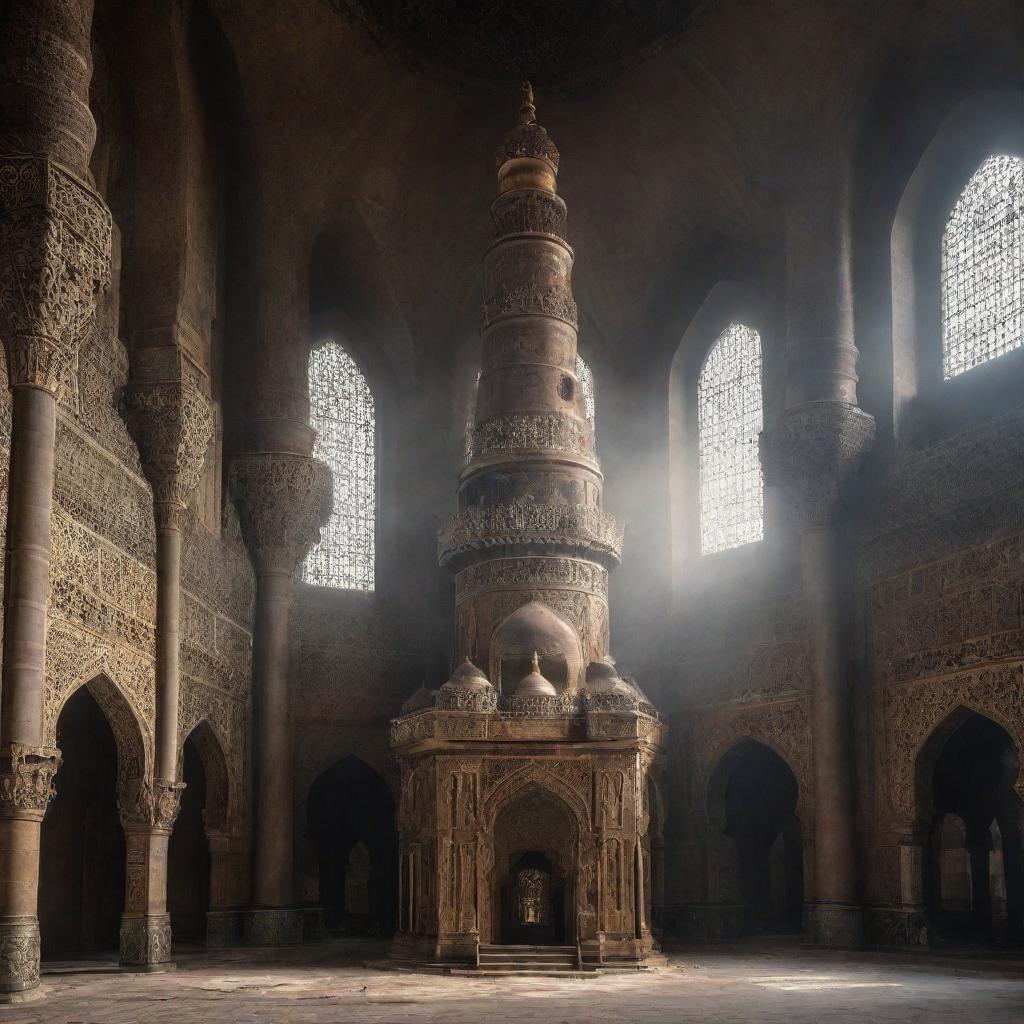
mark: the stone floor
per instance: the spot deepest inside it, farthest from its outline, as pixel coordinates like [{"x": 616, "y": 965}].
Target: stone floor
[{"x": 331, "y": 984}]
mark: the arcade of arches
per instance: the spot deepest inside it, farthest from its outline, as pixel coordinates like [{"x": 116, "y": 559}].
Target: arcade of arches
[{"x": 375, "y": 576}]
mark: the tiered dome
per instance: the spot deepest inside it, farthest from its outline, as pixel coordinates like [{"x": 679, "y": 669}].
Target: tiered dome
[{"x": 534, "y": 684}]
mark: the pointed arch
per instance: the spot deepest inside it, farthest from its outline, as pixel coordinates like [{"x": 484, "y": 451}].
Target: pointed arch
[
  {"x": 536, "y": 627},
  {"x": 218, "y": 812},
  {"x": 534, "y": 775},
  {"x": 342, "y": 413}
]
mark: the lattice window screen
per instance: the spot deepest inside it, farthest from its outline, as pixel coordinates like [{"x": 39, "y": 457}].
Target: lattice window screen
[
  {"x": 729, "y": 417},
  {"x": 983, "y": 268},
  {"x": 586, "y": 379},
  {"x": 341, "y": 412}
]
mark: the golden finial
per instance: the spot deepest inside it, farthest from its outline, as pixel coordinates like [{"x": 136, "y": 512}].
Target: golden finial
[
  {"x": 527, "y": 110},
  {"x": 535, "y": 667}
]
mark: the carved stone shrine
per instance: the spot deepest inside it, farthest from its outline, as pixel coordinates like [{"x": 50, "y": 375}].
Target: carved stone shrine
[{"x": 525, "y": 790}]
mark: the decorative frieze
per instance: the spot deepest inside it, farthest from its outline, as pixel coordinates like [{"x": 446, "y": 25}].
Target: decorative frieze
[
  {"x": 531, "y": 300},
  {"x": 480, "y": 527},
  {"x": 533, "y": 571},
  {"x": 529, "y": 212},
  {"x": 541, "y": 433}
]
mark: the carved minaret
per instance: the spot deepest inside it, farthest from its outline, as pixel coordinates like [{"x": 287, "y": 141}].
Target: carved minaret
[
  {"x": 530, "y": 529},
  {"x": 527, "y": 814}
]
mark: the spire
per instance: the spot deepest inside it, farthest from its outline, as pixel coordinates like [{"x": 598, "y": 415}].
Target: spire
[
  {"x": 535, "y": 664},
  {"x": 528, "y": 110}
]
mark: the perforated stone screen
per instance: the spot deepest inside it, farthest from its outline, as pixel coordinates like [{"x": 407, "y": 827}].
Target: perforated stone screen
[
  {"x": 586, "y": 379},
  {"x": 341, "y": 412},
  {"x": 729, "y": 415},
  {"x": 983, "y": 268}
]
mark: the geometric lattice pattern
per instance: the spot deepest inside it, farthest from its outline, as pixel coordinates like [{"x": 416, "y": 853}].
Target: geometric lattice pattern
[
  {"x": 341, "y": 412},
  {"x": 586, "y": 379},
  {"x": 983, "y": 268},
  {"x": 729, "y": 419}
]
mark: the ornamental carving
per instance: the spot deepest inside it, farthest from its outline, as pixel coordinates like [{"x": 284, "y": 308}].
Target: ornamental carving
[
  {"x": 783, "y": 725},
  {"x": 148, "y": 805},
  {"x": 547, "y": 432},
  {"x": 527, "y": 140},
  {"x": 813, "y": 455},
  {"x": 282, "y": 502},
  {"x": 55, "y": 235},
  {"x": 487, "y": 526},
  {"x": 19, "y": 955},
  {"x": 529, "y": 212},
  {"x": 26, "y": 777},
  {"x": 532, "y": 571},
  {"x": 912, "y": 711},
  {"x": 529, "y": 300},
  {"x": 173, "y": 424},
  {"x": 145, "y": 940}
]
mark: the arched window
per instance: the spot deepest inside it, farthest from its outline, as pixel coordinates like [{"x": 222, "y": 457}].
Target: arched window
[
  {"x": 586, "y": 379},
  {"x": 983, "y": 268},
  {"x": 729, "y": 419},
  {"x": 341, "y": 412}
]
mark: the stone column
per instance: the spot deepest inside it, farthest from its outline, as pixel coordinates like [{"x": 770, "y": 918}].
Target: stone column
[
  {"x": 813, "y": 453},
  {"x": 55, "y": 239},
  {"x": 173, "y": 424},
  {"x": 283, "y": 499}
]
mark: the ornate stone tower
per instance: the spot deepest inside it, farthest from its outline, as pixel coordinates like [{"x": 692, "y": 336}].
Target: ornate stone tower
[{"x": 526, "y": 790}]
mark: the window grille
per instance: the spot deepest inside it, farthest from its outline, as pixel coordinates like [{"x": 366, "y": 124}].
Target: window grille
[
  {"x": 983, "y": 268},
  {"x": 341, "y": 412},
  {"x": 586, "y": 379},
  {"x": 729, "y": 414}
]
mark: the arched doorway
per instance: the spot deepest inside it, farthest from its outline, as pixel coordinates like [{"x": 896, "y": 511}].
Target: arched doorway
[
  {"x": 350, "y": 814},
  {"x": 752, "y": 801},
  {"x": 533, "y": 882},
  {"x": 974, "y": 877},
  {"x": 82, "y": 848},
  {"x": 188, "y": 854}
]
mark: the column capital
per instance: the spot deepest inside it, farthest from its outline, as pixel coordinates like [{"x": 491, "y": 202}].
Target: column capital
[
  {"x": 813, "y": 453},
  {"x": 26, "y": 779},
  {"x": 283, "y": 500},
  {"x": 55, "y": 231},
  {"x": 149, "y": 807},
  {"x": 172, "y": 422}
]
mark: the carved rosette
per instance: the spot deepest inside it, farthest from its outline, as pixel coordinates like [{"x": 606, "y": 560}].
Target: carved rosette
[
  {"x": 26, "y": 779},
  {"x": 172, "y": 421},
  {"x": 283, "y": 500},
  {"x": 55, "y": 235},
  {"x": 813, "y": 455}
]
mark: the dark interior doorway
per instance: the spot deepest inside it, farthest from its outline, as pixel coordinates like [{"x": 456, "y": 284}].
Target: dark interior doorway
[
  {"x": 758, "y": 812},
  {"x": 82, "y": 850},
  {"x": 351, "y": 819},
  {"x": 188, "y": 855},
  {"x": 974, "y": 885}
]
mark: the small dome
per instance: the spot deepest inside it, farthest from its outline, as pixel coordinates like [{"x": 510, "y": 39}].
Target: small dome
[
  {"x": 534, "y": 684},
  {"x": 602, "y": 677},
  {"x": 468, "y": 677}
]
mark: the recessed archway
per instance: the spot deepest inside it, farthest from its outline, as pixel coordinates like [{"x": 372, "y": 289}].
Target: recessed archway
[
  {"x": 82, "y": 847},
  {"x": 756, "y": 841},
  {"x": 350, "y": 815},
  {"x": 188, "y": 853}
]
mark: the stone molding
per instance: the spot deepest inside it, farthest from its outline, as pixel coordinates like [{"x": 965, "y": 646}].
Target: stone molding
[
  {"x": 172, "y": 421},
  {"x": 531, "y": 300},
  {"x": 813, "y": 455},
  {"x": 26, "y": 778},
  {"x": 283, "y": 500},
  {"x": 529, "y": 211},
  {"x": 55, "y": 232},
  {"x": 488, "y": 526}
]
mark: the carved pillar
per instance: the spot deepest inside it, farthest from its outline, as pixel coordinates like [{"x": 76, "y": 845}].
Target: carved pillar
[
  {"x": 813, "y": 453},
  {"x": 55, "y": 239},
  {"x": 283, "y": 499},
  {"x": 173, "y": 424}
]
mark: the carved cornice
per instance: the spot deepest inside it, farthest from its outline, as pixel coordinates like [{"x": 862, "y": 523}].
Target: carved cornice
[
  {"x": 480, "y": 527},
  {"x": 172, "y": 422},
  {"x": 530, "y": 572},
  {"x": 283, "y": 500},
  {"x": 529, "y": 211},
  {"x": 55, "y": 238},
  {"x": 26, "y": 778},
  {"x": 813, "y": 455}
]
